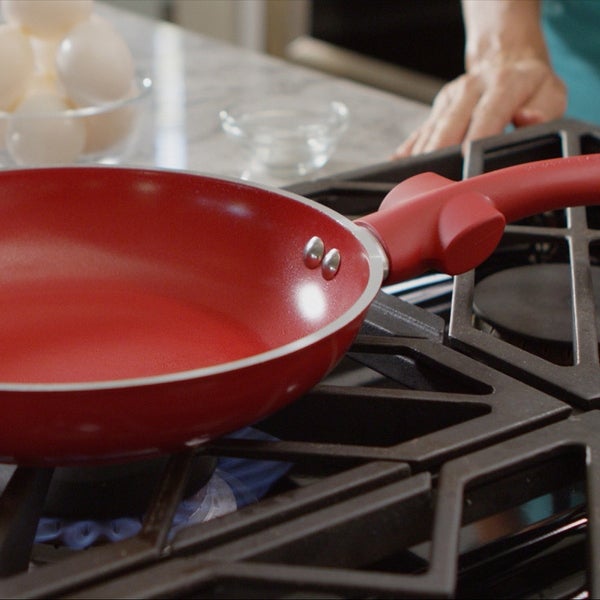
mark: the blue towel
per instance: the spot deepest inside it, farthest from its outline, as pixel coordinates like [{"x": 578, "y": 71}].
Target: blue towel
[{"x": 235, "y": 483}]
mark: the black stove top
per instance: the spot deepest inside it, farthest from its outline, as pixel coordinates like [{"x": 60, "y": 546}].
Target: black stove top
[{"x": 451, "y": 454}]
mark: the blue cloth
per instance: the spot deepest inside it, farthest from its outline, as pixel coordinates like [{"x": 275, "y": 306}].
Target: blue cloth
[
  {"x": 236, "y": 483},
  {"x": 572, "y": 32}
]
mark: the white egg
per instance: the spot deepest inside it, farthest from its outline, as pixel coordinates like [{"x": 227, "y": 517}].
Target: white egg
[
  {"x": 38, "y": 134},
  {"x": 44, "y": 52},
  {"x": 16, "y": 56},
  {"x": 106, "y": 130},
  {"x": 94, "y": 64},
  {"x": 42, "y": 82},
  {"x": 46, "y": 18}
]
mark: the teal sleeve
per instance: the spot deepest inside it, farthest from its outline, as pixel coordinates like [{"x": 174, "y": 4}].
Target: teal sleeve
[{"x": 572, "y": 31}]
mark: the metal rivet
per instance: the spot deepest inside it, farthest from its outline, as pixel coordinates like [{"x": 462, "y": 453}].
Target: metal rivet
[
  {"x": 331, "y": 264},
  {"x": 313, "y": 252}
]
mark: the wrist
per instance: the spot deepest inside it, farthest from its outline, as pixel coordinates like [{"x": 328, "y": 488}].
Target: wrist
[{"x": 508, "y": 31}]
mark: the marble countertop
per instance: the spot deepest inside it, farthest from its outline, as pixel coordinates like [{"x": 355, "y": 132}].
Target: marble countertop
[{"x": 195, "y": 76}]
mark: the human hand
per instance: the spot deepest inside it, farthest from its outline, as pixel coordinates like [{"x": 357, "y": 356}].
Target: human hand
[{"x": 485, "y": 100}]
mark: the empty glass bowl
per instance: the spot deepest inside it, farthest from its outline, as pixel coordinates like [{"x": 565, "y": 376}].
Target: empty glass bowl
[
  {"x": 286, "y": 135},
  {"x": 41, "y": 136}
]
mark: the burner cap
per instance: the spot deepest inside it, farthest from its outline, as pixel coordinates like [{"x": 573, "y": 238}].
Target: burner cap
[{"x": 532, "y": 301}]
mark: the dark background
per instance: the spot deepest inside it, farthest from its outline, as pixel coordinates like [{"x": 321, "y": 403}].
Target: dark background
[{"x": 424, "y": 35}]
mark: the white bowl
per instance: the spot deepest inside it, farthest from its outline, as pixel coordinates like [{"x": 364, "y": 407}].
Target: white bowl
[
  {"x": 95, "y": 134},
  {"x": 286, "y": 135}
]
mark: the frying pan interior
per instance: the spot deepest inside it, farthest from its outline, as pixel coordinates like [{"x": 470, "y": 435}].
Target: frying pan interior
[{"x": 112, "y": 274}]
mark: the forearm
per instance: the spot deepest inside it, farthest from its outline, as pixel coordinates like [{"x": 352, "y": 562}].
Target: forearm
[{"x": 502, "y": 30}]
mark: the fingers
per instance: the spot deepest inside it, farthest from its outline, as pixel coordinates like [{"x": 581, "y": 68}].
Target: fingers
[
  {"x": 523, "y": 94},
  {"x": 449, "y": 118},
  {"x": 482, "y": 104},
  {"x": 549, "y": 102},
  {"x": 405, "y": 149}
]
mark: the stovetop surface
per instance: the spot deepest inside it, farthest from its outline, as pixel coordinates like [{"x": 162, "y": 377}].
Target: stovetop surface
[{"x": 446, "y": 456}]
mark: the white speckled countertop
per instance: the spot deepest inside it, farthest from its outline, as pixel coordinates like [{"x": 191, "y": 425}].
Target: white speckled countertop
[{"x": 195, "y": 76}]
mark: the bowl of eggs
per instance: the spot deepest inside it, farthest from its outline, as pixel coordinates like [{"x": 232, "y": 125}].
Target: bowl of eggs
[{"x": 69, "y": 90}]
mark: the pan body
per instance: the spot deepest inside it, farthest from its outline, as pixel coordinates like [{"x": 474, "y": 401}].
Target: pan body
[{"x": 145, "y": 311}]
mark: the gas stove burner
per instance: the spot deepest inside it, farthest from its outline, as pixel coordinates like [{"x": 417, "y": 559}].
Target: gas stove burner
[
  {"x": 115, "y": 490},
  {"x": 531, "y": 307}
]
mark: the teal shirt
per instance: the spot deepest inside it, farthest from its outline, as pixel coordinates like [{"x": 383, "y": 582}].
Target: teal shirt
[{"x": 572, "y": 30}]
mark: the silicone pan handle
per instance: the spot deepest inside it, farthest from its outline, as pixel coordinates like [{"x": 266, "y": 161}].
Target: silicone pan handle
[{"x": 430, "y": 222}]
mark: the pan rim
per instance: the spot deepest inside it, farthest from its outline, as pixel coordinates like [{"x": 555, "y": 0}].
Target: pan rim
[{"x": 377, "y": 265}]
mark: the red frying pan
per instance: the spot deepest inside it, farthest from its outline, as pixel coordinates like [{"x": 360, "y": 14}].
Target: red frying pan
[{"x": 144, "y": 311}]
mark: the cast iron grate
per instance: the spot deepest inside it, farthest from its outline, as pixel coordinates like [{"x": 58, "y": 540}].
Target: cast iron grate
[
  {"x": 578, "y": 382},
  {"x": 372, "y": 531},
  {"x": 331, "y": 549}
]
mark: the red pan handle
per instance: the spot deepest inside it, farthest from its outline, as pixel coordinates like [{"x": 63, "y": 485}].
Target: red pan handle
[{"x": 430, "y": 222}]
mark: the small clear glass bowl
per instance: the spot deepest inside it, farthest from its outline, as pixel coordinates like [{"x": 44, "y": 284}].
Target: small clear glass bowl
[
  {"x": 286, "y": 135},
  {"x": 95, "y": 134}
]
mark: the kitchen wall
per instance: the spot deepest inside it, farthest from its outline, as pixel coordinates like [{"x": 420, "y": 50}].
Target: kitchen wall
[
  {"x": 264, "y": 25},
  {"x": 409, "y": 48},
  {"x": 159, "y": 9}
]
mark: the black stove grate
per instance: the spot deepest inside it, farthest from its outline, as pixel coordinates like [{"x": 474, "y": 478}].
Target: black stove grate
[
  {"x": 578, "y": 382},
  {"x": 437, "y": 461}
]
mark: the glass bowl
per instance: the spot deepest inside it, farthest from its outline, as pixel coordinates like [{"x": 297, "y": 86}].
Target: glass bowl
[
  {"x": 95, "y": 134},
  {"x": 286, "y": 135}
]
